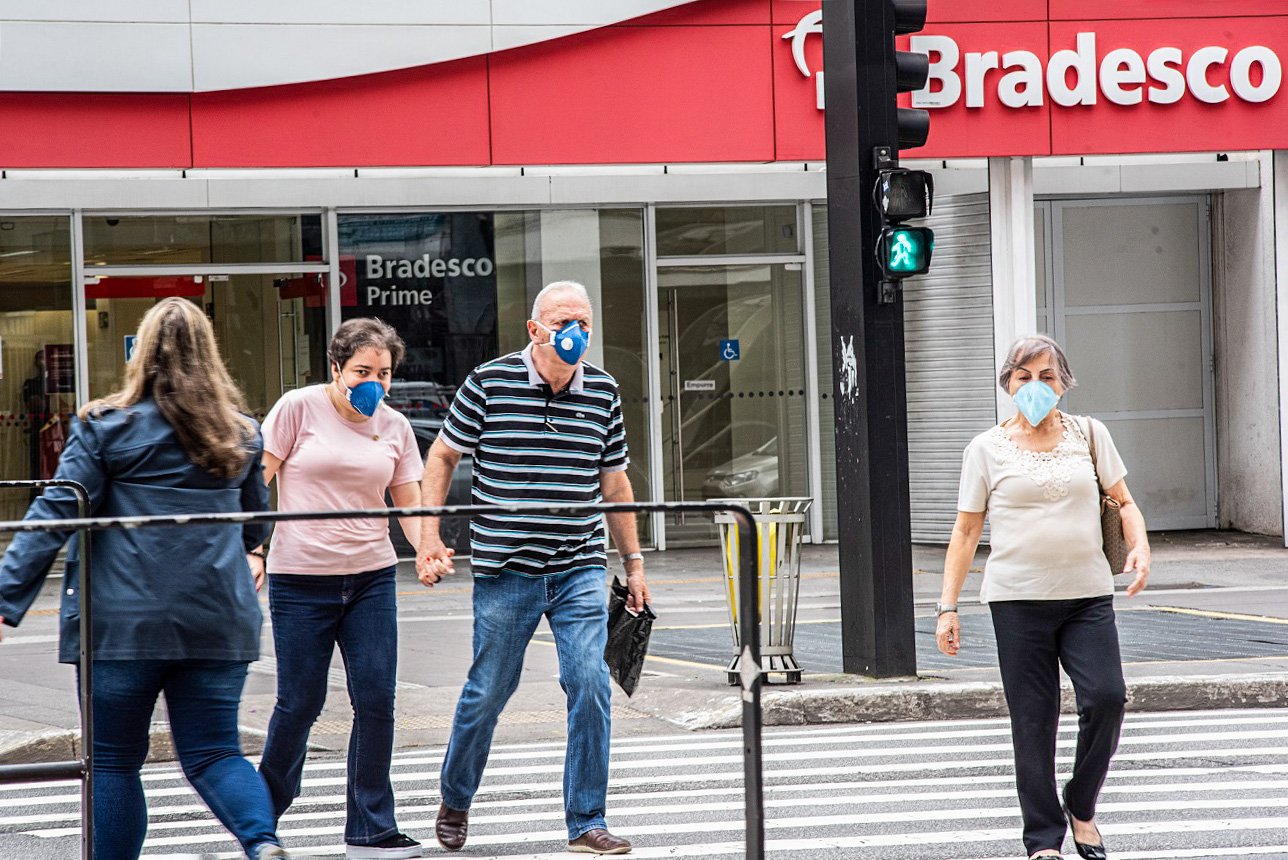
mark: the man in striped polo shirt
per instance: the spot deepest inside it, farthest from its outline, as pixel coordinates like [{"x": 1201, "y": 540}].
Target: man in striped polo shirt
[{"x": 543, "y": 427}]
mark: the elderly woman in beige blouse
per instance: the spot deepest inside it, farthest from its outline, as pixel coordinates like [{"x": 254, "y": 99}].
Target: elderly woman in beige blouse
[{"x": 1048, "y": 587}]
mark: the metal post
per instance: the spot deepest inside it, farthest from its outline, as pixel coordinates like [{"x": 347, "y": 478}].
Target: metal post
[
  {"x": 749, "y": 669},
  {"x": 867, "y": 340},
  {"x": 82, "y": 769},
  {"x": 86, "y": 686}
]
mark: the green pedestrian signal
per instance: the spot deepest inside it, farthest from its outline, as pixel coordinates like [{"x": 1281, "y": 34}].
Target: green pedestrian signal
[{"x": 904, "y": 251}]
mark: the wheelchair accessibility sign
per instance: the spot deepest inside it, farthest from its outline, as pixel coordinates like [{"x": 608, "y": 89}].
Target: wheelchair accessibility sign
[{"x": 730, "y": 350}]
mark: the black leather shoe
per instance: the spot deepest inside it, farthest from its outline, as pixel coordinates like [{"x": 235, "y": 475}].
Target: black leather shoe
[
  {"x": 451, "y": 826},
  {"x": 1085, "y": 850}
]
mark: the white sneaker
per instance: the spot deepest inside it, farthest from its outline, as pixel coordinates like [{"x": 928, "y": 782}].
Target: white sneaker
[
  {"x": 396, "y": 847},
  {"x": 267, "y": 850}
]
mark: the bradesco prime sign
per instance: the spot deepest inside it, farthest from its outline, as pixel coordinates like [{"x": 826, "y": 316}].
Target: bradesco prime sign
[{"x": 1083, "y": 87}]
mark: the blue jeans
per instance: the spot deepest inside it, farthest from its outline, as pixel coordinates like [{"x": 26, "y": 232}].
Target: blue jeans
[
  {"x": 507, "y": 609},
  {"x": 202, "y": 697},
  {"x": 311, "y": 615}
]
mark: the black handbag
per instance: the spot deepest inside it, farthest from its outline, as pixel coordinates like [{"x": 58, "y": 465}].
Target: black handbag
[{"x": 628, "y": 634}]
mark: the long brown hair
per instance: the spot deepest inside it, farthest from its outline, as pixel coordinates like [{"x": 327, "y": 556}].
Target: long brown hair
[{"x": 177, "y": 363}]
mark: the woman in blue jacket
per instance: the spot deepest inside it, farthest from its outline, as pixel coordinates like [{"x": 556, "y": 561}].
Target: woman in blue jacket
[{"x": 175, "y": 609}]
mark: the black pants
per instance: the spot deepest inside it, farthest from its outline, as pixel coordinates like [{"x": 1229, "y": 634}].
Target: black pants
[{"x": 1035, "y": 638}]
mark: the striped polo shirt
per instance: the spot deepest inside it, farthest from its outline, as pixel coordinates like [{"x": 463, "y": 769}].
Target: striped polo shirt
[{"x": 531, "y": 446}]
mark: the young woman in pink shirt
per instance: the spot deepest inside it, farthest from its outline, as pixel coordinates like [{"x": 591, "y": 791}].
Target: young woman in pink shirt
[{"x": 331, "y": 582}]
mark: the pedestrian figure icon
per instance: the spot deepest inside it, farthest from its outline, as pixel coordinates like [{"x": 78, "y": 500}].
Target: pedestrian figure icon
[
  {"x": 901, "y": 253},
  {"x": 730, "y": 350}
]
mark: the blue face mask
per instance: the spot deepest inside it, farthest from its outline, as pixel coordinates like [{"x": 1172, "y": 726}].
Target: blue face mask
[
  {"x": 570, "y": 342},
  {"x": 1035, "y": 401},
  {"x": 365, "y": 396}
]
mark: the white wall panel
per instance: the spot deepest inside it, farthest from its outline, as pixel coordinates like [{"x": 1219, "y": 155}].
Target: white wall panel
[
  {"x": 594, "y": 13},
  {"x": 211, "y": 45},
  {"x": 68, "y": 57},
  {"x": 505, "y": 36},
  {"x": 155, "y": 11},
  {"x": 404, "y": 12},
  {"x": 233, "y": 56}
]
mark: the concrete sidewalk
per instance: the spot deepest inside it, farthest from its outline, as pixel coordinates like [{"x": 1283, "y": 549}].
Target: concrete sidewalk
[{"x": 1230, "y": 588}]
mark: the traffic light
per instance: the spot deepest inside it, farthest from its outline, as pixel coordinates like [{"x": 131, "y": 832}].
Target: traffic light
[
  {"x": 912, "y": 70},
  {"x": 900, "y": 195}
]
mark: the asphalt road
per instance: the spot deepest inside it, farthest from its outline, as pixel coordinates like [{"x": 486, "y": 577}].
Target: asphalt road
[{"x": 1193, "y": 785}]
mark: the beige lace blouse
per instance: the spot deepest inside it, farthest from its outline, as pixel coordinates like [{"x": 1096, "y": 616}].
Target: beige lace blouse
[{"x": 1043, "y": 512}]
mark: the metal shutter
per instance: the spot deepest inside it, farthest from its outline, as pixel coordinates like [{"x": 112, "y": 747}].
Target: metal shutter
[{"x": 948, "y": 325}]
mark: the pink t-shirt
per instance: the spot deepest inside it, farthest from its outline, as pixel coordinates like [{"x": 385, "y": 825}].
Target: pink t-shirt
[{"x": 330, "y": 463}]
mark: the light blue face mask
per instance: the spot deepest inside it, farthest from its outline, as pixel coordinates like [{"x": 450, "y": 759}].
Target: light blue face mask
[
  {"x": 1035, "y": 400},
  {"x": 365, "y": 396},
  {"x": 570, "y": 342}
]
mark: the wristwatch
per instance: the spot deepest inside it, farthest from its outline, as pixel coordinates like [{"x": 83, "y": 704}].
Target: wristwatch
[
  {"x": 631, "y": 556},
  {"x": 941, "y": 608},
  {"x": 258, "y": 553}
]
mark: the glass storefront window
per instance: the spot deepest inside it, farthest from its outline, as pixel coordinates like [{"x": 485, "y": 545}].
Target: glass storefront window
[
  {"x": 170, "y": 240},
  {"x": 459, "y": 288},
  {"x": 697, "y": 231},
  {"x": 37, "y": 371},
  {"x": 271, "y": 328}
]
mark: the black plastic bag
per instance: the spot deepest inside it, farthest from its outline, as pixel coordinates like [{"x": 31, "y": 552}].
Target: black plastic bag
[{"x": 627, "y": 639}]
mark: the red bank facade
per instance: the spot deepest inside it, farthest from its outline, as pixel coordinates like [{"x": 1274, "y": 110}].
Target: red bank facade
[{"x": 1113, "y": 178}]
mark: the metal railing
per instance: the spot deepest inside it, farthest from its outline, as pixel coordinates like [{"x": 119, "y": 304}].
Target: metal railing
[
  {"x": 81, "y": 768},
  {"x": 750, "y": 672}
]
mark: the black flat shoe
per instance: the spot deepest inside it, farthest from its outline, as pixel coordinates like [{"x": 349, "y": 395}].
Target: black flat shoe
[{"x": 1085, "y": 851}]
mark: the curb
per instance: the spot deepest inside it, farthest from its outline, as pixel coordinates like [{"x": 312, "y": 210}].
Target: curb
[
  {"x": 64, "y": 745},
  {"x": 934, "y": 700}
]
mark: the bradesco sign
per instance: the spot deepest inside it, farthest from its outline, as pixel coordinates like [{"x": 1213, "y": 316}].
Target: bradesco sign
[
  {"x": 1212, "y": 74},
  {"x": 1076, "y": 87}
]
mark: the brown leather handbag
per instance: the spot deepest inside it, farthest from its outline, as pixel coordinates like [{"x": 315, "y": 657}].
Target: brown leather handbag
[{"x": 1111, "y": 515}]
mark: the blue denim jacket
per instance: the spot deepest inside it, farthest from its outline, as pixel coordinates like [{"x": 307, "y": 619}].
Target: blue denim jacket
[{"x": 159, "y": 593}]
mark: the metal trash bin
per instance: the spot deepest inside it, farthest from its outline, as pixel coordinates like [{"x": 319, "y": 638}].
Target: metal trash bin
[{"x": 780, "y": 524}]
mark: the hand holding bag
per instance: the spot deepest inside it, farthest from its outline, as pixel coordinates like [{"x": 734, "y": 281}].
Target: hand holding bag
[
  {"x": 1111, "y": 515},
  {"x": 628, "y": 635}
]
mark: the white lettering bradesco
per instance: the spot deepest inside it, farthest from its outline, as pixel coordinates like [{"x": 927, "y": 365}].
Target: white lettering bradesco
[
  {"x": 1079, "y": 76},
  {"x": 426, "y": 267}
]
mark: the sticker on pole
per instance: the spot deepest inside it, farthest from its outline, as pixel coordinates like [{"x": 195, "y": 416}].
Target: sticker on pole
[{"x": 730, "y": 350}]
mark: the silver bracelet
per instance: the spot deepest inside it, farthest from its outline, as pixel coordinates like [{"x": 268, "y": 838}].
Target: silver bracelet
[{"x": 631, "y": 556}]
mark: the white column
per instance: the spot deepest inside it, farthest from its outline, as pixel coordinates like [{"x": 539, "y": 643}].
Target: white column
[
  {"x": 1280, "y": 170},
  {"x": 331, "y": 249},
  {"x": 1015, "y": 311},
  {"x": 570, "y": 252},
  {"x": 80, "y": 312}
]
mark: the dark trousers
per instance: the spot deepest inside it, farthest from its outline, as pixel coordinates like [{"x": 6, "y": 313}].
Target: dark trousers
[
  {"x": 1034, "y": 639},
  {"x": 311, "y": 615}
]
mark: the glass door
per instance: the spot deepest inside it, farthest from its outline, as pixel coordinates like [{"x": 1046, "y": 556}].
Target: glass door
[{"x": 733, "y": 369}]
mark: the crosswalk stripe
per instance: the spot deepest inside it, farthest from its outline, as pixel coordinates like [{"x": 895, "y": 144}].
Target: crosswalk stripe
[
  {"x": 724, "y": 776},
  {"x": 876, "y": 733},
  {"x": 1185, "y": 785}
]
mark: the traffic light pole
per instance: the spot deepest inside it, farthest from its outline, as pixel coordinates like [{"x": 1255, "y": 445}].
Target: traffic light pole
[{"x": 867, "y": 348}]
